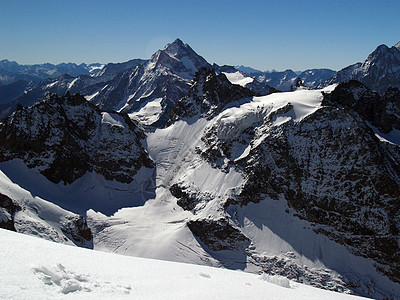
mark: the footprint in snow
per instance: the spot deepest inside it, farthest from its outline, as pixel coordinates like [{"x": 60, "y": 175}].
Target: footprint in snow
[
  {"x": 70, "y": 282},
  {"x": 205, "y": 275}
]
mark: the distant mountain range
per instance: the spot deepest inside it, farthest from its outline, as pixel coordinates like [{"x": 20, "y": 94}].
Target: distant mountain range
[
  {"x": 133, "y": 86},
  {"x": 11, "y": 71},
  {"x": 175, "y": 158}
]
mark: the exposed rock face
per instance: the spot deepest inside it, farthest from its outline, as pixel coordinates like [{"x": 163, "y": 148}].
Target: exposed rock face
[
  {"x": 318, "y": 277},
  {"x": 7, "y": 210},
  {"x": 218, "y": 234},
  {"x": 378, "y": 72},
  {"x": 329, "y": 166},
  {"x": 207, "y": 96},
  {"x": 65, "y": 137},
  {"x": 185, "y": 200},
  {"x": 77, "y": 228},
  {"x": 382, "y": 112},
  {"x": 165, "y": 78}
]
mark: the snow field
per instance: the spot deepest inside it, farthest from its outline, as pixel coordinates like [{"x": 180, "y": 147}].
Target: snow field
[{"x": 54, "y": 271}]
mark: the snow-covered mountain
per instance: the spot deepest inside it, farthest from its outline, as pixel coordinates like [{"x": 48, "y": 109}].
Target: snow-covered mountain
[
  {"x": 247, "y": 70},
  {"x": 146, "y": 89},
  {"x": 84, "y": 84},
  {"x": 302, "y": 184},
  {"x": 314, "y": 77},
  {"x": 279, "y": 80},
  {"x": 67, "y": 140},
  {"x": 378, "y": 72},
  {"x": 207, "y": 96},
  {"x": 149, "y": 91},
  {"x": 297, "y": 184}
]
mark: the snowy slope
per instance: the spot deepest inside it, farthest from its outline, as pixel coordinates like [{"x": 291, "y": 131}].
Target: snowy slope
[
  {"x": 55, "y": 271},
  {"x": 203, "y": 190},
  {"x": 32, "y": 215}
]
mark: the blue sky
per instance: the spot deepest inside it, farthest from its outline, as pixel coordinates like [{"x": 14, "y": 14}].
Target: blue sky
[{"x": 261, "y": 34}]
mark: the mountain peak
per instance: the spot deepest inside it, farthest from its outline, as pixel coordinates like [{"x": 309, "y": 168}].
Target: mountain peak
[
  {"x": 397, "y": 45},
  {"x": 177, "y": 44},
  {"x": 178, "y": 41},
  {"x": 180, "y": 58}
]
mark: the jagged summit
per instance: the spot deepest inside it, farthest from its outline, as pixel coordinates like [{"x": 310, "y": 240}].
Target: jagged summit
[
  {"x": 378, "y": 72},
  {"x": 65, "y": 137},
  {"x": 148, "y": 92},
  {"x": 177, "y": 43},
  {"x": 181, "y": 58},
  {"x": 397, "y": 45},
  {"x": 207, "y": 96}
]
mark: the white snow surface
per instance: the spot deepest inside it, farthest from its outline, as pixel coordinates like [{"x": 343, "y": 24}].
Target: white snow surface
[
  {"x": 93, "y": 69},
  {"x": 149, "y": 113},
  {"x": 238, "y": 78},
  {"x": 113, "y": 119},
  {"x": 54, "y": 271},
  {"x": 50, "y": 85},
  {"x": 70, "y": 85}
]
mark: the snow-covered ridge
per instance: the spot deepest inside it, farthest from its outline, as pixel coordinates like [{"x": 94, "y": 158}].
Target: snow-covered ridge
[{"x": 233, "y": 121}]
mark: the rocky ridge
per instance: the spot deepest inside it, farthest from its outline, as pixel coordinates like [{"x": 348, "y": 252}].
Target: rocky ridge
[
  {"x": 378, "y": 72},
  {"x": 329, "y": 166},
  {"x": 65, "y": 137},
  {"x": 149, "y": 91},
  {"x": 207, "y": 96}
]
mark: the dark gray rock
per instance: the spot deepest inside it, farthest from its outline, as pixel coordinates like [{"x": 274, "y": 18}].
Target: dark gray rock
[
  {"x": 65, "y": 137},
  {"x": 378, "y": 72},
  {"x": 207, "y": 96},
  {"x": 218, "y": 234},
  {"x": 7, "y": 210}
]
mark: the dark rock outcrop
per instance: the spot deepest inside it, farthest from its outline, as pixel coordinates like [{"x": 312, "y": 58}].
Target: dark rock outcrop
[
  {"x": 77, "y": 228},
  {"x": 381, "y": 111},
  {"x": 7, "y": 210},
  {"x": 65, "y": 137},
  {"x": 218, "y": 235},
  {"x": 207, "y": 96}
]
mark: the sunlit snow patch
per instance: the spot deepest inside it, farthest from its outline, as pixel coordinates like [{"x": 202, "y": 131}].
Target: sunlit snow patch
[
  {"x": 113, "y": 119},
  {"x": 238, "y": 78},
  {"x": 150, "y": 113}
]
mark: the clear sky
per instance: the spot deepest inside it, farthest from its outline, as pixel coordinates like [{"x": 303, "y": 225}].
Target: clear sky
[{"x": 262, "y": 34}]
